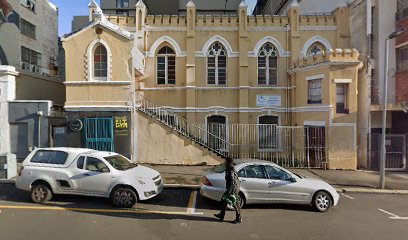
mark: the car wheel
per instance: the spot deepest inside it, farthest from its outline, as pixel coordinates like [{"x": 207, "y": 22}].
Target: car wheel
[
  {"x": 41, "y": 193},
  {"x": 124, "y": 197},
  {"x": 322, "y": 201}
]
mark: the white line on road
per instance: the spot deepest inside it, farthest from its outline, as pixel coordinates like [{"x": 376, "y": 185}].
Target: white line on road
[
  {"x": 347, "y": 196},
  {"x": 393, "y": 216},
  {"x": 192, "y": 203}
]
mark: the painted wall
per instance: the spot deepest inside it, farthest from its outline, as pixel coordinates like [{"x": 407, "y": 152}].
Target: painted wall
[
  {"x": 81, "y": 91},
  {"x": 169, "y": 147},
  {"x": 31, "y": 86}
]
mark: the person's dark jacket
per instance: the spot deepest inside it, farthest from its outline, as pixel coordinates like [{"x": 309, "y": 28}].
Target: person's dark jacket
[{"x": 231, "y": 180}]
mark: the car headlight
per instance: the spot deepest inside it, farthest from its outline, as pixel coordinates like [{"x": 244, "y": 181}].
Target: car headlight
[{"x": 141, "y": 182}]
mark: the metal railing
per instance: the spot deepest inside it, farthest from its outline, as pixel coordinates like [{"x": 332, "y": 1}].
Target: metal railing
[
  {"x": 179, "y": 124},
  {"x": 288, "y": 146}
]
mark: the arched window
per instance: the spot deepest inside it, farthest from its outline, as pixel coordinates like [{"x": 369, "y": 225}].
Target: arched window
[
  {"x": 166, "y": 66},
  {"x": 315, "y": 49},
  {"x": 100, "y": 63},
  {"x": 217, "y": 132},
  {"x": 268, "y": 133},
  {"x": 268, "y": 65},
  {"x": 217, "y": 64}
]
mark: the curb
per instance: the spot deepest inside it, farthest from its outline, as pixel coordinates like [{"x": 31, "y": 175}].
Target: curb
[
  {"x": 181, "y": 186},
  {"x": 374, "y": 191}
]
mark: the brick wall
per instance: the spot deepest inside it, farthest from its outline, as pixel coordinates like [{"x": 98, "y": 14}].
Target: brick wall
[
  {"x": 402, "y": 86},
  {"x": 403, "y": 38}
]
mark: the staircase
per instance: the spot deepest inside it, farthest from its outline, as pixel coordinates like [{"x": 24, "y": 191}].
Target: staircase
[{"x": 192, "y": 131}]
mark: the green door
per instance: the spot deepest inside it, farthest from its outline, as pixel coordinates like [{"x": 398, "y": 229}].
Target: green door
[{"x": 99, "y": 134}]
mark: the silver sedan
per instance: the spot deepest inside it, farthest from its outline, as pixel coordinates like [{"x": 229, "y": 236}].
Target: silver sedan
[{"x": 265, "y": 182}]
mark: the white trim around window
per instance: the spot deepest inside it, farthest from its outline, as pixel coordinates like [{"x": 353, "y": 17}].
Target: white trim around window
[
  {"x": 314, "y": 39},
  {"x": 279, "y": 148},
  {"x": 315, "y": 77},
  {"x": 216, "y": 113},
  {"x": 90, "y": 60}
]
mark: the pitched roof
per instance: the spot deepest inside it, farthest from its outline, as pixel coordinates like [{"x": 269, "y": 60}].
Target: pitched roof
[{"x": 104, "y": 23}]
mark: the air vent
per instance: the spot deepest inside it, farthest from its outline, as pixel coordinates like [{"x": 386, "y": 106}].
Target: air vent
[{"x": 63, "y": 183}]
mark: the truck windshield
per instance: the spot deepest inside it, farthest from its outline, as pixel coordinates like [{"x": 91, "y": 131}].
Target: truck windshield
[{"x": 120, "y": 163}]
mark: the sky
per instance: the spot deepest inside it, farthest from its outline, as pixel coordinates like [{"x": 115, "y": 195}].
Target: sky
[{"x": 69, "y": 8}]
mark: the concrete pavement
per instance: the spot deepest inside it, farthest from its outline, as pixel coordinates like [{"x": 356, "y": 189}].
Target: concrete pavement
[{"x": 358, "y": 216}]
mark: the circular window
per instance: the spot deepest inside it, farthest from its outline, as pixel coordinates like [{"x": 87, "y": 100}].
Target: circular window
[{"x": 98, "y": 31}]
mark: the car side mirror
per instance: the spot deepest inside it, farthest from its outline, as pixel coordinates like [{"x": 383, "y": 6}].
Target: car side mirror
[
  {"x": 104, "y": 170},
  {"x": 292, "y": 179}
]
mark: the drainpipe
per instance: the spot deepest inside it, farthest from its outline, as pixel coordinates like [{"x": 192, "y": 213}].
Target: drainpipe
[{"x": 39, "y": 114}]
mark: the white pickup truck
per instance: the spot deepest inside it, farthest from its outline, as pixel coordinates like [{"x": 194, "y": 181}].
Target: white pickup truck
[{"x": 78, "y": 171}]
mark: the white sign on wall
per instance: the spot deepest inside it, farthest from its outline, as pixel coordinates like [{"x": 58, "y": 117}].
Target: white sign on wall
[{"x": 268, "y": 101}]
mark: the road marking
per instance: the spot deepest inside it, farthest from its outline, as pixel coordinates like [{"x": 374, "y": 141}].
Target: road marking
[
  {"x": 98, "y": 210},
  {"x": 393, "y": 216},
  {"x": 347, "y": 196},
  {"x": 192, "y": 203}
]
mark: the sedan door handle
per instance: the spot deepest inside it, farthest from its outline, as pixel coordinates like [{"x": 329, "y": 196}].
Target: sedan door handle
[
  {"x": 270, "y": 183},
  {"x": 242, "y": 180}
]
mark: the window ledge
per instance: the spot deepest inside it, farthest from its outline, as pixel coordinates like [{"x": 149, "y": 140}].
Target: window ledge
[
  {"x": 342, "y": 111},
  {"x": 314, "y": 102},
  {"x": 98, "y": 83}
]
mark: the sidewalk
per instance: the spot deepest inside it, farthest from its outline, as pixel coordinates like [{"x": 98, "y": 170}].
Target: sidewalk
[{"x": 348, "y": 181}]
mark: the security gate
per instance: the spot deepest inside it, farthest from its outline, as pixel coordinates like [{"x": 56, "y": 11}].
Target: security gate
[
  {"x": 315, "y": 146},
  {"x": 395, "y": 145},
  {"x": 99, "y": 134}
]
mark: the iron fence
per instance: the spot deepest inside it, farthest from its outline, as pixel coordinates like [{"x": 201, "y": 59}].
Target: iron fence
[
  {"x": 288, "y": 146},
  {"x": 396, "y": 151}
]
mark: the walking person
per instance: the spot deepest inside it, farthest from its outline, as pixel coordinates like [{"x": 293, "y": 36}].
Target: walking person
[{"x": 231, "y": 195}]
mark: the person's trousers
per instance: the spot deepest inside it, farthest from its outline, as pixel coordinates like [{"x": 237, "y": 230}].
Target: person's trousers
[{"x": 237, "y": 208}]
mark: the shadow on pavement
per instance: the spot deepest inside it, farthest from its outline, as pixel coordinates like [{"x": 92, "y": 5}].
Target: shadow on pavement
[{"x": 177, "y": 200}]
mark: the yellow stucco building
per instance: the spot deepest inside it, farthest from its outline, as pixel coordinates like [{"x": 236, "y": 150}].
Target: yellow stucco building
[{"x": 278, "y": 88}]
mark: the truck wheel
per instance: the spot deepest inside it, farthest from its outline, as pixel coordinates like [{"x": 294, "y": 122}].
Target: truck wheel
[
  {"x": 124, "y": 197},
  {"x": 41, "y": 193}
]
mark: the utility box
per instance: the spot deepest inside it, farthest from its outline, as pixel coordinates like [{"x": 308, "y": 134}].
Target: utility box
[{"x": 8, "y": 166}]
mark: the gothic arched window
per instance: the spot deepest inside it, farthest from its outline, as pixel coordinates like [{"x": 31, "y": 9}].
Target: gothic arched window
[
  {"x": 100, "y": 57},
  {"x": 166, "y": 66},
  {"x": 217, "y": 64},
  {"x": 268, "y": 65}
]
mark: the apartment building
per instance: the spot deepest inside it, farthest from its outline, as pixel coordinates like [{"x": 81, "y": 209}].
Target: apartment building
[
  {"x": 30, "y": 88},
  {"x": 281, "y": 7},
  {"x": 158, "y": 7}
]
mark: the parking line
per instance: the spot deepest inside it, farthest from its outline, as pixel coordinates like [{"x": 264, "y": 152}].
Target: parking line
[
  {"x": 393, "y": 216},
  {"x": 192, "y": 203},
  {"x": 98, "y": 210},
  {"x": 347, "y": 196}
]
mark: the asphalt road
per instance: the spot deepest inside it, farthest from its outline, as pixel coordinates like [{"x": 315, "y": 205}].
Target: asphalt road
[{"x": 182, "y": 214}]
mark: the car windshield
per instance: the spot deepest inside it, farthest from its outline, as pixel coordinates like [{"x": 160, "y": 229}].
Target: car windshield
[{"x": 120, "y": 163}]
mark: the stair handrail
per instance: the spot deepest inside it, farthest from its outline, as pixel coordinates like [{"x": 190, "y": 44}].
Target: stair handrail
[{"x": 164, "y": 114}]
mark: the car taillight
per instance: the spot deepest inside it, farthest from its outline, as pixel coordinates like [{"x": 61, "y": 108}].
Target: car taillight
[
  {"x": 206, "y": 181},
  {"x": 20, "y": 171}
]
